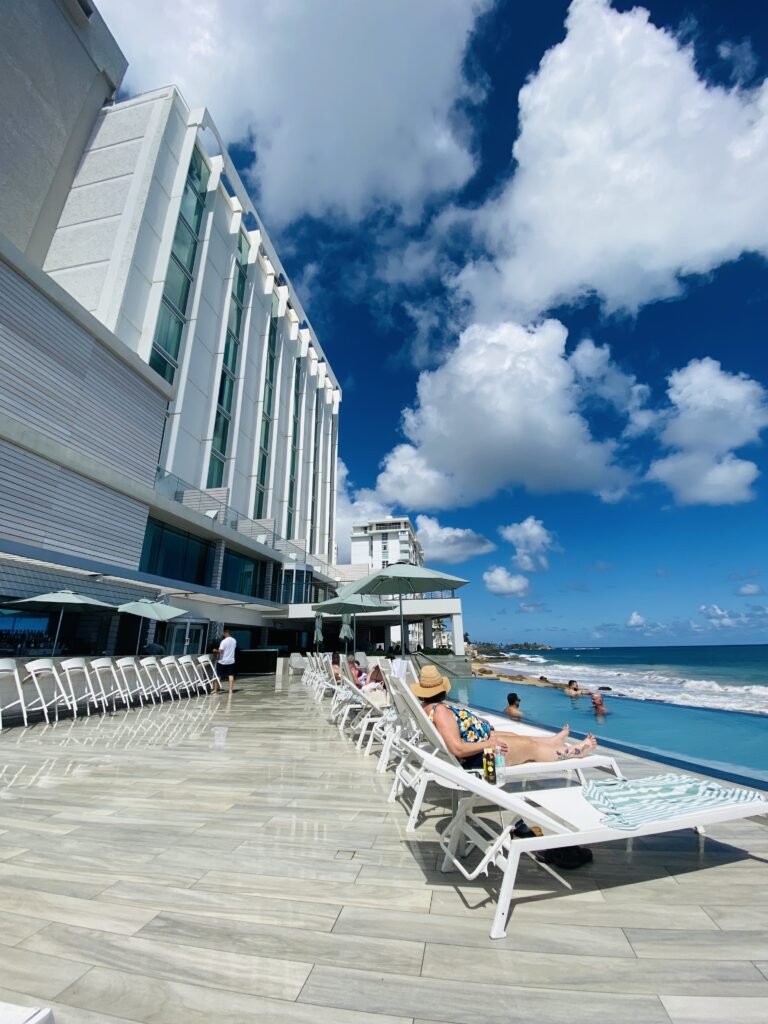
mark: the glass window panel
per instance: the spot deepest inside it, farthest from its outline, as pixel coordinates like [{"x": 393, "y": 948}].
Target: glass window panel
[
  {"x": 289, "y": 524},
  {"x": 263, "y": 465},
  {"x": 168, "y": 331},
  {"x": 160, "y": 365},
  {"x": 239, "y": 287},
  {"x": 243, "y": 248},
  {"x": 258, "y": 505},
  {"x": 226, "y": 390},
  {"x": 215, "y": 471},
  {"x": 230, "y": 353},
  {"x": 192, "y": 208},
  {"x": 184, "y": 245},
  {"x": 221, "y": 432},
  {"x": 265, "y": 425},
  {"x": 235, "y": 319},
  {"x": 198, "y": 172},
  {"x": 268, "y": 398},
  {"x": 177, "y": 285}
]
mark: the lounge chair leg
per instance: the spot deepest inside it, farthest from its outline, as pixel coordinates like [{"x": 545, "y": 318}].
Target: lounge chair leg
[
  {"x": 418, "y": 800},
  {"x": 455, "y": 832},
  {"x": 499, "y": 926}
]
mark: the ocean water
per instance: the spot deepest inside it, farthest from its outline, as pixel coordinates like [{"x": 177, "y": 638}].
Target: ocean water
[{"x": 729, "y": 677}]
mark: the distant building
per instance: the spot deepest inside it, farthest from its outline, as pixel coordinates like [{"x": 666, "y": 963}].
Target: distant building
[{"x": 383, "y": 542}]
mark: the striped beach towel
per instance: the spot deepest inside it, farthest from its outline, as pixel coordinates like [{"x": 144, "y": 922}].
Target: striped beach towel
[{"x": 631, "y": 803}]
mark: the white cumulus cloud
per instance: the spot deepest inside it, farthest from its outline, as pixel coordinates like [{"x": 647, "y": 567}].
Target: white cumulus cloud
[
  {"x": 711, "y": 413},
  {"x": 347, "y": 104},
  {"x": 450, "y": 544},
  {"x": 500, "y": 581},
  {"x": 750, "y": 590},
  {"x": 532, "y": 541},
  {"x": 631, "y": 173},
  {"x": 635, "y": 620},
  {"x": 501, "y": 410}
]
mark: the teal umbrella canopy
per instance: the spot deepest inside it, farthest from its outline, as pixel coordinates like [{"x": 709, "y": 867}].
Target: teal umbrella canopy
[
  {"x": 403, "y": 578},
  {"x": 352, "y": 604},
  {"x": 345, "y": 633},
  {"x": 61, "y": 600},
  {"x": 155, "y": 610}
]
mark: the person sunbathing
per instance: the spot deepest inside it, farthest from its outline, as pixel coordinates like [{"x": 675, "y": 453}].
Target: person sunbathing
[{"x": 467, "y": 735}]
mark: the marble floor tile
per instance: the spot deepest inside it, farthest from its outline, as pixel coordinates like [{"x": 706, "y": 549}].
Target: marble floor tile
[
  {"x": 63, "y": 1014},
  {"x": 706, "y": 1010},
  {"x": 588, "y": 973},
  {"x": 156, "y": 1001},
  {"x": 744, "y": 918},
  {"x": 532, "y": 936},
  {"x": 73, "y": 910},
  {"x": 320, "y": 892},
  {"x": 699, "y": 945},
  {"x": 41, "y": 976},
  {"x": 15, "y": 927},
  {"x": 231, "y": 971},
  {"x": 391, "y": 955},
  {"x": 454, "y": 1002},
  {"x": 226, "y": 904}
]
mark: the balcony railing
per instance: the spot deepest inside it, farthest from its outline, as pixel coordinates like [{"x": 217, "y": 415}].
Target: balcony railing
[{"x": 213, "y": 504}]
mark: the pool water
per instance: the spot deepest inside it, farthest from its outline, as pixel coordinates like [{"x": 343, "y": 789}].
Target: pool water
[{"x": 731, "y": 745}]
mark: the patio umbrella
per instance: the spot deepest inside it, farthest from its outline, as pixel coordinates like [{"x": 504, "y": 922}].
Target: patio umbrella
[
  {"x": 349, "y": 603},
  {"x": 147, "y": 609},
  {"x": 403, "y": 578},
  {"x": 318, "y": 637},
  {"x": 62, "y": 599},
  {"x": 345, "y": 633}
]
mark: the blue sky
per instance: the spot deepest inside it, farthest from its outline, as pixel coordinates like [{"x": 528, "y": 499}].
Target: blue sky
[{"x": 532, "y": 240}]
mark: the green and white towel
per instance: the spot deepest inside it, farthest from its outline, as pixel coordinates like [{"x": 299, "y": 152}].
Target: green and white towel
[{"x": 631, "y": 803}]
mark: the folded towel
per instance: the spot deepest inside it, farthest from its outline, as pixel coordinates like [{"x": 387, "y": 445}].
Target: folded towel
[{"x": 631, "y": 803}]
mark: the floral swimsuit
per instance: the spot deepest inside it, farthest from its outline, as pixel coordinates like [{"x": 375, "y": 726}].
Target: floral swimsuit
[{"x": 472, "y": 728}]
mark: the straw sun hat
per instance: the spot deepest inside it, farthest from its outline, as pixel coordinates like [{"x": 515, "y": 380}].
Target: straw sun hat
[{"x": 430, "y": 682}]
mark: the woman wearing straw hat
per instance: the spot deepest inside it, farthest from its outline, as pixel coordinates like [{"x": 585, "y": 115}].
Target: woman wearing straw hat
[{"x": 466, "y": 735}]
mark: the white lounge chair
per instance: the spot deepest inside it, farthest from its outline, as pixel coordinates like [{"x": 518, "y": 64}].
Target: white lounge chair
[
  {"x": 564, "y": 815},
  {"x": 412, "y": 773}
]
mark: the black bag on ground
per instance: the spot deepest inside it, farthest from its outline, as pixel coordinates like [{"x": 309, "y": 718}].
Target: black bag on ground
[{"x": 567, "y": 857}]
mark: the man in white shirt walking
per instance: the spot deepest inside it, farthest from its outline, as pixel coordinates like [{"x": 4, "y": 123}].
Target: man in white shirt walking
[{"x": 225, "y": 665}]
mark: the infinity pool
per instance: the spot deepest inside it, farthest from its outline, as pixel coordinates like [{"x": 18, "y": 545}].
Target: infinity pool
[{"x": 732, "y": 745}]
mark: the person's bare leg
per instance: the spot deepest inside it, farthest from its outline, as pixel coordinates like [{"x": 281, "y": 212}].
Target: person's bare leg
[
  {"x": 550, "y": 748},
  {"x": 231, "y": 684}
]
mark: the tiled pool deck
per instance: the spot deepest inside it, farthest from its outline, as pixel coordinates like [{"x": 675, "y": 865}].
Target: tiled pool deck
[{"x": 149, "y": 874}]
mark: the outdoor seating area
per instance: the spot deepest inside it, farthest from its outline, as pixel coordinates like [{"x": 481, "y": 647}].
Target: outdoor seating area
[
  {"x": 240, "y": 858},
  {"x": 47, "y": 688}
]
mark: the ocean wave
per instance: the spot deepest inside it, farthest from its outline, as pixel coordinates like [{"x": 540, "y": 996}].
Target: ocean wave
[
  {"x": 530, "y": 657},
  {"x": 658, "y": 686}
]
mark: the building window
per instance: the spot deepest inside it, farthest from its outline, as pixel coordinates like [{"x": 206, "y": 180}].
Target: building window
[
  {"x": 244, "y": 575},
  {"x": 228, "y": 378},
  {"x": 260, "y": 501},
  {"x": 176, "y": 555},
  {"x": 332, "y": 486},
  {"x": 178, "y": 280},
  {"x": 316, "y": 474},
  {"x": 293, "y": 471}
]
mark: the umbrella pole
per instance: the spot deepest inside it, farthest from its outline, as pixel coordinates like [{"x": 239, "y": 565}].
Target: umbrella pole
[
  {"x": 403, "y": 640},
  {"x": 354, "y": 632},
  {"x": 138, "y": 638},
  {"x": 58, "y": 630}
]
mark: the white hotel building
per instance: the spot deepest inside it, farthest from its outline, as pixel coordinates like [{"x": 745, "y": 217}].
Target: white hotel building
[{"x": 168, "y": 418}]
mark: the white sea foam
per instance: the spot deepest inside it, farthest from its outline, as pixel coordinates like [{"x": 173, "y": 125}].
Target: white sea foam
[{"x": 651, "y": 685}]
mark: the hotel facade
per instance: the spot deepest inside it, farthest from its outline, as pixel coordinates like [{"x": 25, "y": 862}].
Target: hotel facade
[{"x": 168, "y": 417}]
